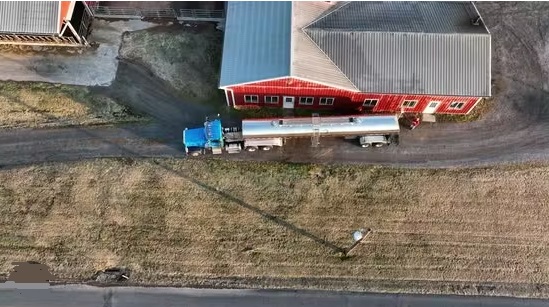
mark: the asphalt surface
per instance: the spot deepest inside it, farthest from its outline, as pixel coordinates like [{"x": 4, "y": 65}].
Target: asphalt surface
[{"x": 145, "y": 297}]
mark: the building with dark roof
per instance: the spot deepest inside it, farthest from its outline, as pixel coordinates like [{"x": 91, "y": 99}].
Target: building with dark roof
[
  {"x": 431, "y": 57},
  {"x": 44, "y": 22}
]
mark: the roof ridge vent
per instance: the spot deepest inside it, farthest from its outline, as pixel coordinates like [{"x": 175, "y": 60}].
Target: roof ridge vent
[{"x": 475, "y": 21}]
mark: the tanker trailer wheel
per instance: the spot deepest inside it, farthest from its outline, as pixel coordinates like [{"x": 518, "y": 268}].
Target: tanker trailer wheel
[
  {"x": 265, "y": 148},
  {"x": 251, "y": 148}
]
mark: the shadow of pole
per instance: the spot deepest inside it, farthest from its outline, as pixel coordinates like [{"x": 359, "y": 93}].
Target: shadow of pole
[{"x": 265, "y": 215}]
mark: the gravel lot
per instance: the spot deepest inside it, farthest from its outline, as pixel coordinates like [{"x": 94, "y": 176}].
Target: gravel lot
[{"x": 93, "y": 67}]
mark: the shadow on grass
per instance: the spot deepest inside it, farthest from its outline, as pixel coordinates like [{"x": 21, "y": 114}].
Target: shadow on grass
[
  {"x": 265, "y": 215},
  {"x": 101, "y": 111}
]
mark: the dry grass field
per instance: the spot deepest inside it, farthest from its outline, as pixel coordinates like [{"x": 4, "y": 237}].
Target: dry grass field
[
  {"x": 34, "y": 104},
  {"x": 208, "y": 222}
]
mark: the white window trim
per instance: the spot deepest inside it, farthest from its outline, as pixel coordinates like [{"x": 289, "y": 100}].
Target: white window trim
[
  {"x": 256, "y": 99},
  {"x": 413, "y": 106},
  {"x": 332, "y": 99},
  {"x": 368, "y": 99},
  {"x": 457, "y": 103},
  {"x": 306, "y": 103},
  {"x": 271, "y": 102},
  {"x": 437, "y": 103}
]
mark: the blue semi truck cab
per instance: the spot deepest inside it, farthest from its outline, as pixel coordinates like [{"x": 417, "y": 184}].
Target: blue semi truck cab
[{"x": 198, "y": 141}]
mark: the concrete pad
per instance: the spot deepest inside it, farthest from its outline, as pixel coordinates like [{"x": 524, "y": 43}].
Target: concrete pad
[
  {"x": 94, "y": 67},
  {"x": 429, "y": 118}
]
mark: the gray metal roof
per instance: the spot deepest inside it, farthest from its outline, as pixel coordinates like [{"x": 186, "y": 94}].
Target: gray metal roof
[
  {"x": 308, "y": 61},
  {"x": 404, "y": 63},
  {"x": 382, "y": 48},
  {"x": 29, "y": 17},
  {"x": 257, "y": 41},
  {"x": 397, "y": 16}
]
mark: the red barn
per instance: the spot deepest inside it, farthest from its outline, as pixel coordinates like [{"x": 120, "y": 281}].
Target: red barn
[{"x": 430, "y": 57}]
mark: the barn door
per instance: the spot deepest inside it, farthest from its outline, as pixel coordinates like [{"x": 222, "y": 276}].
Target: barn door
[
  {"x": 288, "y": 102},
  {"x": 431, "y": 107}
]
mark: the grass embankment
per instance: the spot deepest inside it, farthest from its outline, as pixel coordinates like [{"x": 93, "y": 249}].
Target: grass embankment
[
  {"x": 481, "y": 109},
  {"x": 208, "y": 222},
  {"x": 35, "y": 104},
  {"x": 188, "y": 58}
]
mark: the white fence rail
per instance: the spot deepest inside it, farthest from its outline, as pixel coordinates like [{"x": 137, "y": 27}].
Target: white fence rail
[{"x": 182, "y": 15}]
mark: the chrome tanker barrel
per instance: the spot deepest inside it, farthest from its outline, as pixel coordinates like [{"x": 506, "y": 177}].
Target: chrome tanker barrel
[{"x": 327, "y": 126}]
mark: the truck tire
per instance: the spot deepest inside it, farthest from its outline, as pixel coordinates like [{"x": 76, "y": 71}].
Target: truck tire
[
  {"x": 266, "y": 148},
  {"x": 365, "y": 145},
  {"x": 378, "y": 145},
  {"x": 195, "y": 153},
  {"x": 251, "y": 148}
]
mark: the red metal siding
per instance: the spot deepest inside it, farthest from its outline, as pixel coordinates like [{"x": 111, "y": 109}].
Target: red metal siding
[
  {"x": 283, "y": 82},
  {"x": 344, "y": 99},
  {"x": 65, "y": 11}
]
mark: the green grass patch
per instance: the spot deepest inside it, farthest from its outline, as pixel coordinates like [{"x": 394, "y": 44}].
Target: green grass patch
[{"x": 38, "y": 104}]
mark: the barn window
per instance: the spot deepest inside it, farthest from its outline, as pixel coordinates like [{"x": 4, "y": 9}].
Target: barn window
[
  {"x": 326, "y": 101},
  {"x": 457, "y": 105},
  {"x": 251, "y": 99},
  {"x": 409, "y": 103},
  {"x": 306, "y": 100},
  {"x": 369, "y": 103},
  {"x": 271, "y": 99}
]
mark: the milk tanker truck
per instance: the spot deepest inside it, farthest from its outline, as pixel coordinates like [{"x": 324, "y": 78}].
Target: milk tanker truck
[{"x": 265, "y": 134}]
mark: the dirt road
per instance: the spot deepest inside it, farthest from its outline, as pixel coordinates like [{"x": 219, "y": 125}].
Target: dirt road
[{"x": 516, "y": 130}]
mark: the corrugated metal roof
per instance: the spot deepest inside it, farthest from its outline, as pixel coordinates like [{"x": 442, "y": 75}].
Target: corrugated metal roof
[
  {"x": 257, "y": 41},
  {"x": 408, "y": 47},
  {"x": 411, "y": 63},
  {"x": 308, "y": 60},
  {"x": 29, "y": 17},
  {"x": 409, "y": 16}
]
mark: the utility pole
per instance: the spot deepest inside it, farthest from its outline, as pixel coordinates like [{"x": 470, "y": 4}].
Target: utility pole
[{"x": 358, "y": 236}]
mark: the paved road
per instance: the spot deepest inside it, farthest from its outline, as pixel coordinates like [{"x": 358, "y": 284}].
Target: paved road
[{"x": 142, "y": 297}]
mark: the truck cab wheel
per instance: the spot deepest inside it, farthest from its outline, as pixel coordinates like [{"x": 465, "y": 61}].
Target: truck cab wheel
[
  {"x": 265, "y": 148},
  {"x": 251, "y": 148}
]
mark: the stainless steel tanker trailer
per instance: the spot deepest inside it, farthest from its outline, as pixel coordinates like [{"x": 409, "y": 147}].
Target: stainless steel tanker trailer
[{"x": 264, "y": 134}]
